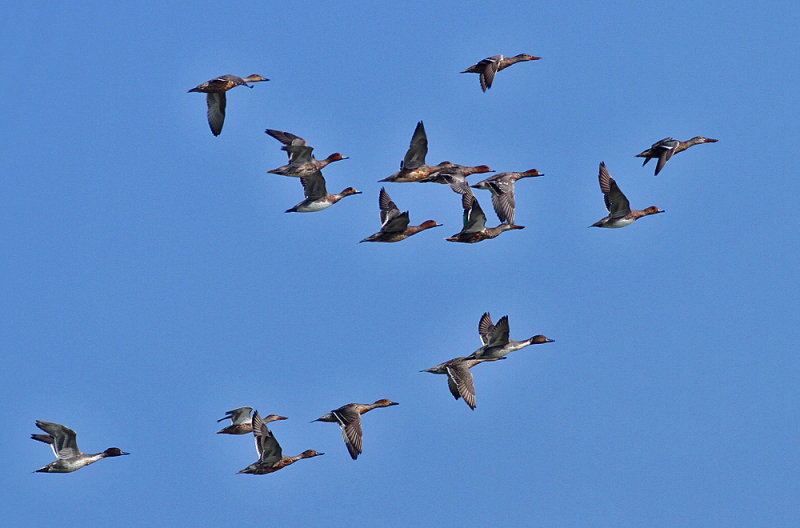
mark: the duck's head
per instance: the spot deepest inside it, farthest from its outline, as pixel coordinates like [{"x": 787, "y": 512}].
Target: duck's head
[
  {"x": 479, "y": 169},
  {"x": 531, "y": 173},
  {"x": 385, "y": 403},
  {"x": 427, "y": 224},
  {"x": 254, "y": 78},
  {"x": 310, "y": 453},
  {"x": 114, "y": 451},
  {"x": 652, "y": 210},
  {"x": 349, "y": 191},
  {"x": 526, "y": 57},
  {"x": 539, "y": 339}
]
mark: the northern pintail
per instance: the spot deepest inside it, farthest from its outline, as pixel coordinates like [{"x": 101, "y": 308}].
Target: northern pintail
[
  {"x": 349, "y": 419},
  {"x": 241, "y": 423},
  {"x": 475, "y": 229},
  {"x": 488, "y": 67},
  {"x": 502, "y": 187},
  {"x": 456, "y": 176},
  {"x": 495, "y": 338},
  {"x": 215, "y": 96},
  {"x": 301, "y": 162},
  {"x": 317, "y": 197},
  {"x": 68, "y": 457},
  {"x": 664, "y": 149},
  {"x": 459, "y": 378},
  {"x": 394, "y": 224},
  {"x": 413, "y": 168},
  {"x": 270, "y": 454},
  {"x": 620, "y": 213}
]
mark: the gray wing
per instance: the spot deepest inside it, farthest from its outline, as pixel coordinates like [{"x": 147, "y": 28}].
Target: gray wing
[
  {"x": 238, "y": 416},
  {"x": 287, "y": 138},
  {"x": 391, "y": 218},
  {"x": 503, "y": 199},
  {"x": 299, "y": 154},
  {"x": 314, "y": 185},
  {"x": 485, "y": 326},
  {"x": 64, "y": 444},
  {"x": 498, "y": 335},
  {"x": 350, "y": 422},
  {"x": 269, "y": 451},
  {"x": 664, "y": 149},
  {"x": 216, "y": 102},
  {"x": 616, "y": 203},
  {"x": 459, "y": 379},
  {"x": 474, "y": 219},
  {"x": 417, "y": 150},
  {"x": 396, "y": 224},
  {"x": 452, "y": 176},
  {"x": 490, "y": 66}
]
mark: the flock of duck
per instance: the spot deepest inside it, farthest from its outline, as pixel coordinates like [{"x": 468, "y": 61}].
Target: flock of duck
[{"x": 495, "y": 338}]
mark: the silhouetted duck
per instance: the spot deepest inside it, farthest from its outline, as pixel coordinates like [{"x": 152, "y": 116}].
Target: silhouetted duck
[
  {"x": 664, "y": 149},
  {"x": 475, "y": 229},
  {"x": 215, "y": 96},
  {"x": 349, "y": 419},
  {"x": 620, "y": 213},
  {"x": 488, "y": 67},
  {"x": 270, "y": 454},
  {"x": 502, "y": 187},
  {"x": 301, "y": 162},
  {"x": 495, "y": 338},
  {"x": 68, "y": 457},
  {"x": 394, "y": 224}
]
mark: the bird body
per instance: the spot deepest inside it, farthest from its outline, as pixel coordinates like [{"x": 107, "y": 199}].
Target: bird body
[
  {"x": 475, "y": 229},
  {"x": 349, "y": 419},
  {"x": 413, "y": 167},
  {"x": 459, "y": 378},
  {"x": 394, "y": 224},
  {"x": 215, "y": 96},
  {"x": 620, "y": 213},
  {"x": 664, "y": 149},
  {"x": 456, "y": 176},
  {"x": 495, "y": 339},
  {"x": 241, "y": 423},
  {"x": 270, "y": 454},
  {"x": 501, "y": 186},
  {"x": 301, "y": 161},
  {"x": 68, "y": 457},
  {"x": 316, "y": 193},
  {"x": 488, "y": 67}
]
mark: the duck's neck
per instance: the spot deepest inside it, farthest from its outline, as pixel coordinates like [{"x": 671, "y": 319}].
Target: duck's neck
[
  {"x": 683, "y": 145},
  {"x": 508, "y": 61},
  {"x": 645, "y": 212},
  {"x": 411, "y": 230}
]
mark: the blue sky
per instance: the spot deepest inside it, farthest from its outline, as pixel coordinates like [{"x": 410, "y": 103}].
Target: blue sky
[{"x": 152, "y": 280}]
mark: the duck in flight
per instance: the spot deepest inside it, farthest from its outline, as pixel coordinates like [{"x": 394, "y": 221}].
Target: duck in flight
[
  {"x": 664, "y": 149},
  {"x": 620, "y": 213},
  {"x": 68, "y": 457},
  {"x": 488, "y": 67},
  {"x": 215, "y": 96},
  {"x": 349, "y": 419}
]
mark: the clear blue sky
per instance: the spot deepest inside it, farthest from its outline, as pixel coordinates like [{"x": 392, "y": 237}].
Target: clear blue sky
[{"x": 152, "y": 281}]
